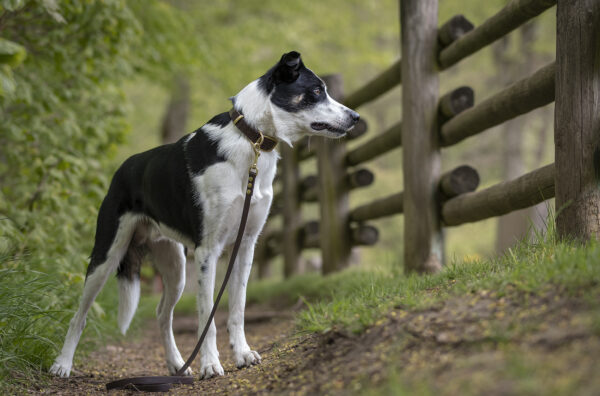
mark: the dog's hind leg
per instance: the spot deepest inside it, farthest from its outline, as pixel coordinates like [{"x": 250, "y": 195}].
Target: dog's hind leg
[
  {"x": 206, "y": 257},
  {"x": 98, "y": 273},
  {"x": 169, "y": 259},
  {"x": 242, "y": 353}
]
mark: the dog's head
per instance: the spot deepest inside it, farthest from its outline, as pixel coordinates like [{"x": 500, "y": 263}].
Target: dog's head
[{"x": 301, "y": 103}]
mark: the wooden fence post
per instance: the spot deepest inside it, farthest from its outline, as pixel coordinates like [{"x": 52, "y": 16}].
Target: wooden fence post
[
  {"x": 421, "y": 160},
  {"x": 290, "y": 168},
  {"x": 577, "y": 119},
  {"x": 333, "y": 194}
]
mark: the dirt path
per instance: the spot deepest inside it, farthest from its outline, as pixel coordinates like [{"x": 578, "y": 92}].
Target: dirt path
[{"x": 480, "y": 343}]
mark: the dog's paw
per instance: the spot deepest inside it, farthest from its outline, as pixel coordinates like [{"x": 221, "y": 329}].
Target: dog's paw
[
  {"x": 212, "y": 369},
  {"x": 60, "y": 370},
  {"x": 247, "y": 359},
  {"x": 174, "y": 368}
]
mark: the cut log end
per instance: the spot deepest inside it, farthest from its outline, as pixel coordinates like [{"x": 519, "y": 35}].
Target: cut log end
[
  {"x": 452, "y": 30},
  {"x": 459, "y": 181},
  {"x": 359, "y": 129},
  {"x": 309, "y": 233},
  {"x": 456, "y": 101},
  {"x": 364, "y": 235},
  {"x": 360, "y": 178}
]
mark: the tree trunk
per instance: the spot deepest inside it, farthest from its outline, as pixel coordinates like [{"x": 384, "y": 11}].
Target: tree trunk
[
  {"x": 175, "y": 118},
  {"x": 172, "y": 128}
]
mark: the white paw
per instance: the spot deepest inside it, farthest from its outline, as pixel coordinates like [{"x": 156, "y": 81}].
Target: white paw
[
  {"x": 246, "y": 358},
  {"x": 211, "y": 369},
  {"x": 60, "y": 369},
  {"x": 174, "y": 368}
]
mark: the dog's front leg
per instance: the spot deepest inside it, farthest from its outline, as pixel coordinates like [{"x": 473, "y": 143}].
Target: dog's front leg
[
  {"x": 242, "y": 353},
  {"x": 206, "y": 268}
]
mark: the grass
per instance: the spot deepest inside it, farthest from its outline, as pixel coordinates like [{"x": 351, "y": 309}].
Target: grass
[
  {"x": 355, "y": 299},
  {"x": 34, "y": 315},
  {"x": 504, "y": 361}
]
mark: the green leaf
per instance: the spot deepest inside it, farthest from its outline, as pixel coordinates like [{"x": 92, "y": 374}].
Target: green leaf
[
  {"x": 12, "y": 5},
  {"x": 52, "y": 9},
  {"x": 11, "y": 53}
]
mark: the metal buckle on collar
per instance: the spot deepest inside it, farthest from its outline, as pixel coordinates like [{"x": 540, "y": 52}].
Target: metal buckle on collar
[
  {"x": 238, "y": 119},
  {"x": 272, "y": 139}
]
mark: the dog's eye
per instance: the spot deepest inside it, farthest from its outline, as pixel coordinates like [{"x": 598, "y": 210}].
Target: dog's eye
[{"x": 317, "y": 91}]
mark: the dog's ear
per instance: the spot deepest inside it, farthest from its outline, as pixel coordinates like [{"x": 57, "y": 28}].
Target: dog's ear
[{"x": 287, "y": 70}]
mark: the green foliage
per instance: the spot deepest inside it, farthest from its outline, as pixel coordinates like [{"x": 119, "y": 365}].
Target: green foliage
[
  {"x": 31, "y": 322},
  {"x": 11, "y": 53},
  {"x": 63, "y": 114},
  {"x": 62, "y": 66},
  {"x": 34, "y": 315}
]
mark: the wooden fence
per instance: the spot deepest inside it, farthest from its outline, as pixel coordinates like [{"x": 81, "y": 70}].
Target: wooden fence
[{"x": 432, "y": 200}]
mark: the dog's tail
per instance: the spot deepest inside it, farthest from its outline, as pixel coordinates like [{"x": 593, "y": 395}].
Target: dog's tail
[{"x": 129, "y": 284}]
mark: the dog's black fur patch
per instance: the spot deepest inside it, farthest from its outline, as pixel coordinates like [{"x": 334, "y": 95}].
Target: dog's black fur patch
[
  {"x": 220, "y": 119},
  {"x": 290, "y": 79},
  {"x": 158, "y": 184}
]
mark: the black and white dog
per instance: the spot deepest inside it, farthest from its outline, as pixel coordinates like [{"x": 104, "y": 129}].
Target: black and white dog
[{"x": 190, "y": 194}]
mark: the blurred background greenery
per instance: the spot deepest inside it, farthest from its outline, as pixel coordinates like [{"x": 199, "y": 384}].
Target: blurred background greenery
[{"x": 84, "y": 84}]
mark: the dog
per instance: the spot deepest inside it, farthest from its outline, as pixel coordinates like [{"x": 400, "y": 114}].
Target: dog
[{"x": 189, "y": 195}]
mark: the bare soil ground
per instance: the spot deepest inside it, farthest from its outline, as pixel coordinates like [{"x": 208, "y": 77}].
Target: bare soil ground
[{"x": 479, "y": 343}]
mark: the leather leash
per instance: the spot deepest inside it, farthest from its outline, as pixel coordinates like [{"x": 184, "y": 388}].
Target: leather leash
[{"x": 163, "y": 383}]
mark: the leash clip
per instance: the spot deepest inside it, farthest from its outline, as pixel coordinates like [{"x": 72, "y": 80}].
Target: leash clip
[{"x": 256, "y": 148}]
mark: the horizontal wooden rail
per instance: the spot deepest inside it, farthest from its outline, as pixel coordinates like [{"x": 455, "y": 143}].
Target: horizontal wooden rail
[
  {"x": 519, "y": 98},
  {"x": 356, "y": 179},
  {"x": 308, "y": 237},
  {"x": 527, "y": 190},
  {"x": 377, "y": 146},
  {"x": 380, "y": 208},
  {"x": 376, "y": 87},
  {"x": 362, "y": 235},
  {"x": 516, "y": 13}
]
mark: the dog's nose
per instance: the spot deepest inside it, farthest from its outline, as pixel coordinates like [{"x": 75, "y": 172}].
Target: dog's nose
[{"x": 355, "y": 116}]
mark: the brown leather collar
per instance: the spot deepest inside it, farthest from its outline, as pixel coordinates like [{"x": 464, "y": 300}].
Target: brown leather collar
[{"x": 269, "y": 142}]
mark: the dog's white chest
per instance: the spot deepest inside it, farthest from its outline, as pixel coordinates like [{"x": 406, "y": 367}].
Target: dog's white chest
[{"x": 221, "y": 191}]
